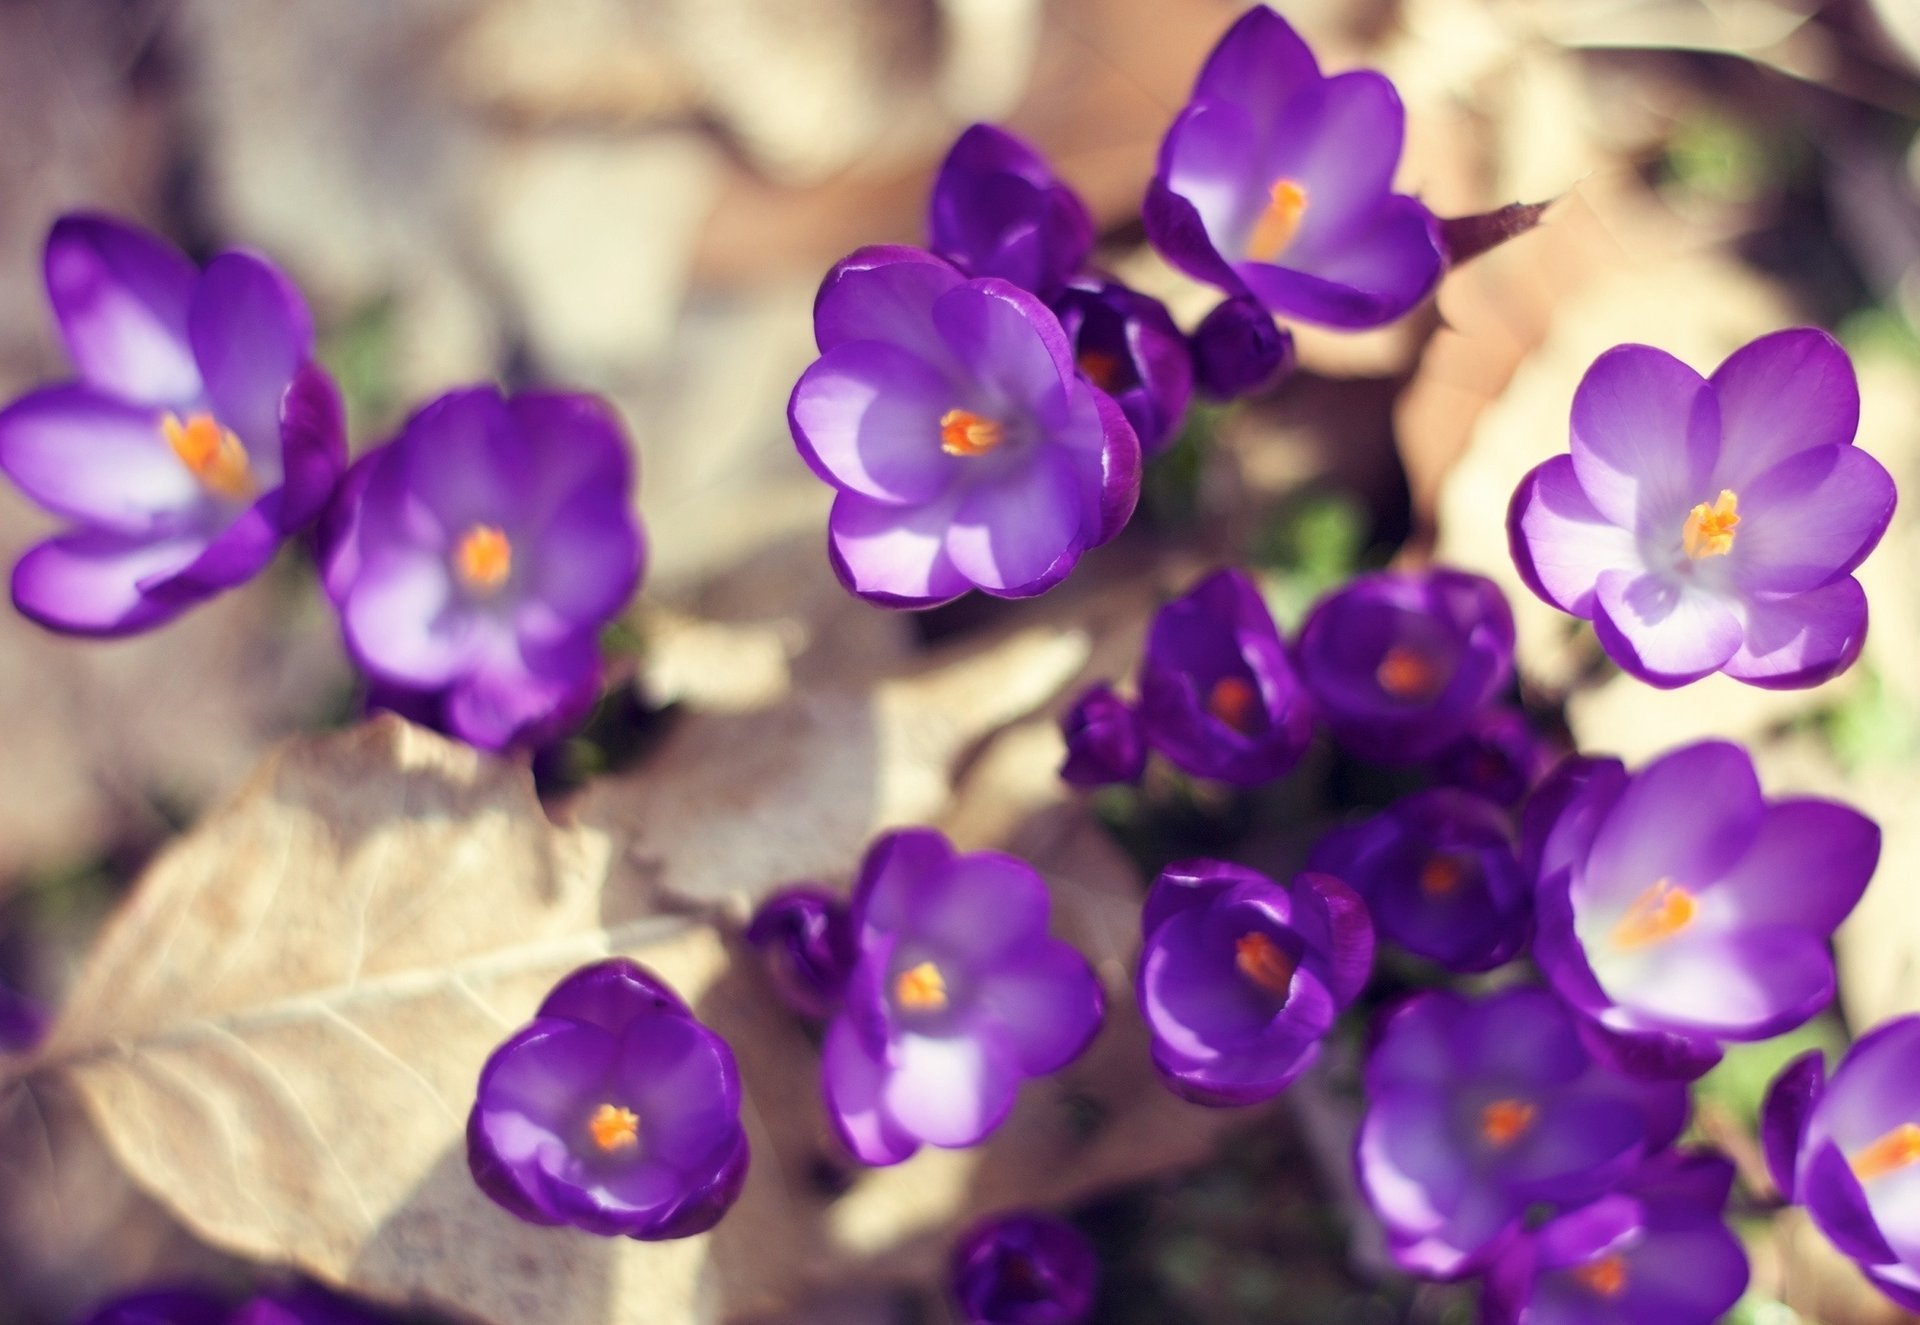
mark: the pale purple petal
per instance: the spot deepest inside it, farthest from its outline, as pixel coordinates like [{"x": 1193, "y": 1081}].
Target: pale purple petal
[
  {"x": 1646, "y": 434},
  {"x": 121, "y": 297},
  {"x": 1667, "y": 633},
  {"x": 479, "y": 464},
  {"x": 401, "y": 620},
  {"x": 1561, "y": 543},
  {"x": 855, "y": 1081},
  {"x": 1801, "y": 639},
  {"x": 1687, "y": 817},
  {"x": 1210, "y": 162},
  {"x": 94, "y": 582},
  {"x": 866, "y": 418},
  {"x": 1342, "y": 144},
  {"x": 1784, "y": 393},
  {"x": 1260, "y": 63},
  {"x": 1011, "y": 346},
  {"x": 979, "y": 905},
  {"x": 1018, "y": 532},
  {"x": 1374, "y": 273},
  {"x": 885, "y": 293},
  {"x": 1810, "y": 519},
  {"x": 251, "y": 332},
  {"x": 893, "y": 554},
  {"x": 1807, "y": 867},
  {"x": 585, "y": 563},
  {"x": 949, "y": 1092},
  {"x": 1047, "y": 1007},
  {"x": 97, "y": 459},
  {"x": 1747, "y": 985}
]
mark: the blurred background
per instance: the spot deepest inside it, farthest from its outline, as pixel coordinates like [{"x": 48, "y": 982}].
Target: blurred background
[{"x": 638, "y": 197}]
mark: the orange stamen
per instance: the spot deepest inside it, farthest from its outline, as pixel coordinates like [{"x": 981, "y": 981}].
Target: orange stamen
[
  {"x": 921, "y": 988},
  {"x": 1709, "y": 529},
  {"x": 1409, "y": 675},
  {"x": 1101, "y": 369},
  {"x": 614, "y": 1128},
  {"x": 1234, "y": 701},
  {"x": 1264, "y": 962},
  {"x": 1505, "y": 1121},
  {"x": 211, "y": 453},
  {"x": 1655, "y": 916},
  {"x": 1606, "y": 1276},
  {"x": 1441, "y": 876},
  {"x": 1278, "y": 224},
  {"x": 962, "y": 432},
  {"x": 484, "y": 558},
  {"x": 1896, "y": 1150}
]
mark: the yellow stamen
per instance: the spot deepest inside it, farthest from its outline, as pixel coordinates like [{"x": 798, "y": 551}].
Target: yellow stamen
[
  {"x": 1264, "y": 962},
  {"x": 211, "y": 453},
  {"x": 1709, "y": 529},
  {"x": 1897, "y": 1150},
  {"x": 1278, "y": 224},
  {"x": 1655, "y": 916},
  {"x": 921, "y": 988},
  {"x": 614, "y": 1128},
  {"x": 1607, "y": 1276},
  {"x": 484, "y": 558},
  {"x": 1505, "y": 1121},
  {"x": 1441, "y": 876},
  {"x": 1409, "y": 675},
  {"x": 1235, "y": 702},
  {"x": 962, "y": 432},
  {"x": 1101, "y": 369}
]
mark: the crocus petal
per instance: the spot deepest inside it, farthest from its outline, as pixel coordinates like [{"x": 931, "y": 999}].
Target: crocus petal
[
  {"x": 470, "y": 464},
  {"x": 1561, "y": 543},
  {"x": 313, "y": 446},
  {"x": 250, "y": 332},
  {"x": 1747, "y": 985},
  {"x": 1781, "y": 394},
  {"x": 1342, "y": 144},
  {"x": 982, "y": 903},
  {"x": 97, "y": 459},
  {"x": 1783, "y": 1117},
  {"x": 866, "y": 417},
  {"x": 1686, "y": 817},
  {"x": 855, "y": 1082},
  {"x": 950, "y": 1092},
  {"x": 1047, "y": 1007},
  {"x": 1010, "y": 344},
  {"x": 892, "y": 554},
  {"x": 1666, "y": 633},
  {"x": 1210, "y": 165},
  {"x": 1260, "y": 64},
  {"x": 94, "y": 581},
  {"x": 1019, "y": 532},
  {"x": 1802, "y": 639},
  {"x": 121, "y": 297},
  {"x": 400, "y": 623},
  {"x": 1810, "y": 519},
  {"x": 884, "y": 293},
  {"x": 1361, "y": 278},
  {"x": 520, "y": 696},
  {"x": 586, "y": 562},
  {"x": 1800, "y": 842},
  {"x": 1832, "y": 1195},
  {"x": 1646, "y": 433}
]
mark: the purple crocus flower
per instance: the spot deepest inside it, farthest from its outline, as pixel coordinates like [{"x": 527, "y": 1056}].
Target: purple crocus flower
[
  {"x": 1849, "y": 1151},
  {"x": 1711, "y": 524},
  {"x": 1480, "y": 1108},
  {"x": 1104, "y": 740},
  {"x": 1437, "y": 870},
  {"x": 1125, "y": 343},
  {"x": 1218, "y": 695},
  {"x": 476, "y": 557},
  {"x": 161, "y": 1306},
  {"x": 966, "y": 449},
  {"x": 1239, "y": 349},
  {"x": 1678, "y": 909},
  {"x": 805, "y": 939},
  {"x": 1024, "y": 1269},
  {"x": 1276, "y": 182},
  {"x": 199, "y": 433},
  {"x": 613, "y": 1110},
  {"x": 23, "y": 1021},
  {"x": 1655, "y": 1249},
  {"x": 1501, "y": 757},
  {"x": 997, "y": 209},
  {"x": 959, "y": 995},
  {"x": 1240, "y": 978},
  {"x": 1400, "y": 663}
]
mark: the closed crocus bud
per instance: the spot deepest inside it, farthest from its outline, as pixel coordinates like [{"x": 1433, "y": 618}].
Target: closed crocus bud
[
  {"x": 614, "y": 1111},
  {"x": 1104, "y": 741},
  {"x": 1024, "y": 1269},
  {"x": 1239, "y": 349},
  {"x": 1125, "y": 343},
  {"x": 805, "y": 940},
  {"x": 1400, "y": 663},
  {"x": 1501, "y": 757},
  {"x": 997, "y": 209},
  {"x": 1240, "y": 978},
  {"x": 161, "y": 1306}
]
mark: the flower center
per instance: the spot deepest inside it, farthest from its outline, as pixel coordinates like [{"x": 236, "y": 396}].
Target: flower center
[
  {"x": 1655, "y": 916},
  {"x": 1442, "y": 875},
  {"x": 1286, "y": 204},
  {"x": 614, "y": 1129},
  {"x": 1409, "y": 675},
  {"x": 1505, "y": 1121},
  {"x": 921, "y": 988},
  {"x": 1101, "y": 369},
  {"x": 211, "y": 454},
  {"x": 1897, "y": 1150},
  {"x": 1709, "y": 529},
  {"x": 1234, "y": 701},
  {"x": 1606, "y": 1277},
  {"x": 484, "y": 558},
  {"x": 1264, "y": 962},
  {"x": 962, "y": 432}
]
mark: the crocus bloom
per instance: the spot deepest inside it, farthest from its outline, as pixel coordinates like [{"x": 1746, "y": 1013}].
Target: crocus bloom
[
  {"x": 1126, "y": 344},
  {"x": 475, "y": 559},
  {"x": 613, "y": 1110},
  {"x": 1678, "y": 909},
  {"x": 1025, "y": 1269},
  {"x": 1711, "y": 524},
  {"x": 1239, "y": 349},
  {"x": 1218, "y": 695},
  {"x": 1240, "y": 978},
  {"x": 198, "y": 435},
  {"x": 1104, "y": 740},
  {"x": 959, "y": 995},
  {"x": 161, "y": 1306},
  {"x": 950, "y": 417},
  {"x": 1276, "y": 181},
  {"x": 997, "y": 209},
  {"x": 1437, "y": 871},
  {"x": 805, "y": 939},
  {"x": 1480, "y": 1108},
  {"x": 1655, "y": 1249},
  {"x": 1849, "y": 1151},
  {"x": 1400, "y": 664},
  {"x": 1500, "y": 757}
]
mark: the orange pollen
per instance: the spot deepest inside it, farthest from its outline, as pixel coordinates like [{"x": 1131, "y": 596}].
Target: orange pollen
[
  {"x": 1606, "y": 1276},
  {"x": 1709, "y": 529},
  {"x": 1408, "y": 674},
  {"x": 1505, "y": 1121},
  {"x": 1441, "y": 876},
  {"x": 921, "y": 988},
  {"x": 484, "y": 558},
  {"x": 1897, "y": 1150},
  {"x": 1235, "y": 702},
  {"x": 1264, "y": 962},
  {"x": 614, "y": 1128},
  {"x": 1655, "y": 916},
  {"x": 1101, "y": 369},
  {"x": 962, "y": 432},
  {"x": 211, "y": 453},
  {"x": 1279, "y": 222}
]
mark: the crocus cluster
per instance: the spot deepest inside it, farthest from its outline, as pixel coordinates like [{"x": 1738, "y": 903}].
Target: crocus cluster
[{"x": 302, "y": 1304}]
